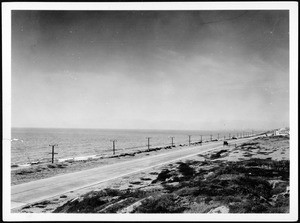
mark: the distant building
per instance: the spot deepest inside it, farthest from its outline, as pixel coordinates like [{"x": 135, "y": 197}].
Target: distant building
[{"x": 282, "y": 131}]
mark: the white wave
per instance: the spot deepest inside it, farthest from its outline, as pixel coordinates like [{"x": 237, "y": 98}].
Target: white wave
[
  {"x": 65, "y": 159},
  {"x": 24, "y": 165},
  {"x": 79, "y": 158},
  {"x": 85, "y": 157},
  {"x": 15, "y": 139}
]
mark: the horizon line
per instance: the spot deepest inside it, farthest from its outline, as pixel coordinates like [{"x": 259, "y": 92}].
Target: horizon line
[{"x": 145, "y": 129}]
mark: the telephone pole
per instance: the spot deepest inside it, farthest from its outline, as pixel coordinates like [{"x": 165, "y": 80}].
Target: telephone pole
[
  {"x": 172, "y": 143},
  {"x": 114, "y": 145},
  {"x": 210, "y": 137},
  {"x": 148, "y": 138},
  {"x": 53, "y": 145},
  {"x": 189, "y": 140}
]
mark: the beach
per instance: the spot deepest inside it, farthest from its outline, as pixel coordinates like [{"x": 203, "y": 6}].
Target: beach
[{"x": 127, "y": 194}]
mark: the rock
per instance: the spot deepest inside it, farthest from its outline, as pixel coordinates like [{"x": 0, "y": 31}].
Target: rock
[
  {"x": 209, "y": 175},
  {"x": 287, "y": 189},
  {"x": 221, "y": 209}
]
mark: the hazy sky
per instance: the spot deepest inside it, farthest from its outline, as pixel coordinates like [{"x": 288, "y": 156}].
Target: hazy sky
[{"x": 150, "y": 69}]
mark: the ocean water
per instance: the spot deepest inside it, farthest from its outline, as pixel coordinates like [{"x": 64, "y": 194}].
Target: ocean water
[{"x": 32, "y": 144}]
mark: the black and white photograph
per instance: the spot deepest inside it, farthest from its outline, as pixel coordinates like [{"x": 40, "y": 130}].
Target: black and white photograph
[{"x": 150, "y": 111}]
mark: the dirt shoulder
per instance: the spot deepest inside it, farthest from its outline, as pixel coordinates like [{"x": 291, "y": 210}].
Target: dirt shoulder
[{"x": 250, "y": 178}]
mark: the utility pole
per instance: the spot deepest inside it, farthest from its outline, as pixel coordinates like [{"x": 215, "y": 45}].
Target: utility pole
[
  {"x": 148, "y": 138},
  {"x": 172, "y": 143},
  {"x": 210, "y": 137},
  {"x": 189, "y": 140},
  {"x": 53, "y": 145},
  {"x": 114, "y": 146}
]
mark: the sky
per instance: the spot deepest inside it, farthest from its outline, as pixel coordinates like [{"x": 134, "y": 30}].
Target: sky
[{"x": 189, "y": 70}]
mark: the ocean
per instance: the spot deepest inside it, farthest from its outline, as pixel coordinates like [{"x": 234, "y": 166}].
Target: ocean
[{"x": 32, "y": 144}]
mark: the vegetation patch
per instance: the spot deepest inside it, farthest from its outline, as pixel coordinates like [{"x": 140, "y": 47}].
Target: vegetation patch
[
  {"x": 186, "y": 170},
  {"x": 163, "y": 175},
  {"x": 218, "y": 154},
  {"x": 145, "y": 178},
  {"x": 24, "y": 171},
  {"x": 166, "y": 203}
]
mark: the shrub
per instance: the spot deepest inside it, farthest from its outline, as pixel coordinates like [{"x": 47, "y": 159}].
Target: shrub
[
  {"x": 87, "y": 205},
  {"x": 255, "y": 186},
  {"x": 250, "y": 206},
  {"x": 186, "y": 170},
  {"x": 278, "y": 209},
  {"x": 61, "y": 165},
  {"x": 218, "y": 154},
  {"x": 201, "y": 208},
  {"x": 133, "y": 193},
  {"x": 249, "y": 144},
  {"x": 51, "y": 166},
  {"x": 135, "y": 182},
  {"x": 23, "y": 172},
  {"x": 228, "y": 199},
  {"x": 187, "y": 191},
  {"x": 163, "y": 204},
  {"x": 118, "y": 206},
  {"x": 280, "y": 187},
  {"x": 145, "y": 178},
  {"x": 163, "y": 175}
]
